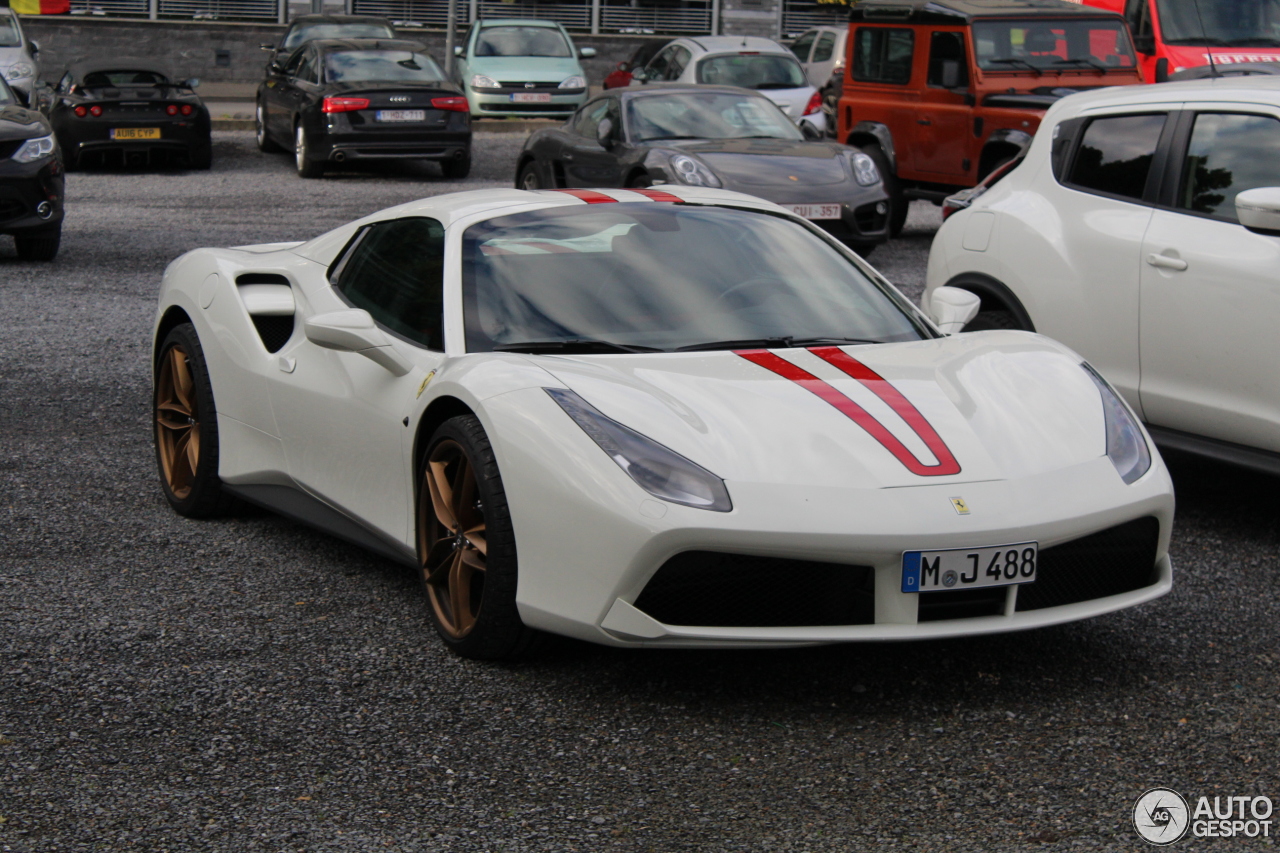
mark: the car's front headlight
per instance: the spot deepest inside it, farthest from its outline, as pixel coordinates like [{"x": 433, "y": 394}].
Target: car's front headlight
[
  {"x": 34, "y": 149},
  {"x": 689, "y": 171},
  {"x": 480, "y": 81},
  {"x": 864, "y": 170},
  {"x": 18, "y": 70},
  {"x": 1126, "y": 446},
  {"x": 574, "y": 82},
  {"x": 662, "y": 473}
]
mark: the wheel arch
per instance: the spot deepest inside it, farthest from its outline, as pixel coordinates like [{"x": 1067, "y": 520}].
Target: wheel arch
[
  {"x": 1001, "y": 145},
  {"x": 173, "y": 317},
  {"x": 875, "y": 133},
  {"x": 437, "y": 412},
  {"x": 995, "y": 296}
]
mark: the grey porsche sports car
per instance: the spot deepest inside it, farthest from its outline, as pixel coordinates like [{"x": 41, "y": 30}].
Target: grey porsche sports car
[{"x": 710, "y": 136}]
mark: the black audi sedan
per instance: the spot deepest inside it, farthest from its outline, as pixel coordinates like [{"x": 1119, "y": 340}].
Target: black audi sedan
[
  {"x": 346, "y": 101},
  {"x": 129, "y": 111},
  {"x": 711, "y": 136},
  {"x": 31, "y": 180}
]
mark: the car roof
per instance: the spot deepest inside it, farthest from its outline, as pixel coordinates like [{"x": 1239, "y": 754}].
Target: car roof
[
  {"x": 519, "y": 22},
  {"x": 339, "y": 19},
  {"x": 631, "y": 93},
  {"x": 1253, "y": 89},
  {"x": 962, "y": 11},
  {"x": 92, "y": 66},
  {"x": 332, "y": 45}
]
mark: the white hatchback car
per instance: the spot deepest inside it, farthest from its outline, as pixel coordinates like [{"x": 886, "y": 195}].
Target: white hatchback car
[
  {"x": 749, "y": 62},
  {"x": 1143, "y": 230}
]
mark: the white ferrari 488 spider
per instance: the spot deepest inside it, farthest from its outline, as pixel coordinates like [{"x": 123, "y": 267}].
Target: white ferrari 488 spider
[{"x": 670, "y": 417}]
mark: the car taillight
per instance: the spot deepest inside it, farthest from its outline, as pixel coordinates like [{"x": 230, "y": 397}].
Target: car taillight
[
  {"x": 172, "y": 109},
  {"x": 95, "y": 110},
  {"x": 344, "y": 105},
  {"x": 815, "y": 104},
  {"x": 456, "y": 104},
  {"x": 81, "y": 112},
  {"x": 187, "y": 109}
]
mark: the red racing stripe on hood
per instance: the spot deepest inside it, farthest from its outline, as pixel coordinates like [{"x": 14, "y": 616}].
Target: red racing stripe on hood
[
  {"x": 879, "y": 386},
  {"x": 590, "y": 196},
  {"x": 659, "y": 195}
]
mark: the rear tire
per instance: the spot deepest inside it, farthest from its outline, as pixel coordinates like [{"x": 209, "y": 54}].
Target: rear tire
[
  {"x": 40, "y": 246},
  {"x": 899, "y": 206},
  {"x": 456, "y": 169},
  {"x": 308, "y": 167},
  {"x": 986, "y": 320},
  {"x": 266, "y": 144},
  {"x": 640, "y": 182},
  {"x": 202, "y": 158}
]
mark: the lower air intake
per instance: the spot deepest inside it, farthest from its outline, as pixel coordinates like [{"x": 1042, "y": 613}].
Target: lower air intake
[{"x": 1119, "y": 559}]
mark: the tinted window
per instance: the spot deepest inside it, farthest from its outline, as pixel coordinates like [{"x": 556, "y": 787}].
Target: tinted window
[
  {"x": 752, "y": 71},
  {"x": 657, "y": 69},
  {"x": 1022, "y": 46},
  {"x": 679, "y": 60},
  {"x": 826, "y": 47},
  {"x": 395, "y": 271},
  {"x": 100, "y": 79},
  {"x": 664, "y": 276},
  {"x": 381, "y": 65},
  {"x": 947, "y": 59},
  {"x": 9, "y": 35},
  {"x": 882, "y": 55},
  {"x": 801, "y": 46},
  {"x": 307, "y": 68},
  {"x": 521, "y": 41},
  {"x": 1230, "y": 23},
  {"x": 710, "y": 115},
  {"x": 1115, "y": 155},
  {"x": 590, "y": 116},
  {"x": 311, "y": 32},
  {"x": 1227, "y": 155}
]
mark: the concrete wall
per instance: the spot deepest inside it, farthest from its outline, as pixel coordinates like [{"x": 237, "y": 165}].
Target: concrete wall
[{"x": 228, "y": 53}]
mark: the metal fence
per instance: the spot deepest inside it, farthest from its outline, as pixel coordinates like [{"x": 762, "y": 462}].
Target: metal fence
[
  {"x": 602, "y": 16},
  {"x": 432, "y": 13},
  {"x": 630, "y": 16},
  {"x": 234, "y": 10},
  {"x": 800, "y": 15}
]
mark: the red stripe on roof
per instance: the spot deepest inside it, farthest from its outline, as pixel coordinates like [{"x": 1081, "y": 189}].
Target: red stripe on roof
[
  {"x": 589, "y": 196},
  {"x": 659, "y": 195},
  {"x": 879, "y": 386}
]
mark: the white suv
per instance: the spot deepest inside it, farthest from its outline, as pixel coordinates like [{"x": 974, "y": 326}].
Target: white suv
[
  {"x": 17, "y": 57},
  {"x": 749, "y": 62},
  {"x": 1143, "y": 230}
]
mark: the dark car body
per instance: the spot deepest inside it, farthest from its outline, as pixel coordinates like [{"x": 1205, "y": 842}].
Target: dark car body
[
  {"x": 291, "y": 110},
  {"x": 620, "y": 77},
  {"x": 305, "y": 28},
  {"x": 31, "y": 188},
  {"x": 790, "y": 171},
  {"x": 129, "y": 111}
]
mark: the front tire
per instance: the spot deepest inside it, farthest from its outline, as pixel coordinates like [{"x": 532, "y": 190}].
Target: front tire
[
  {"x": 186, "y": 428},
  {"x": 40, "y": 246},
  {"x": 266, "y": 144},
  {"x": 899, "y": 206},
  {"x": 308, "y": 166},
  {"x": 202, "y": 158},
  {"x": 466, "y": 546}
]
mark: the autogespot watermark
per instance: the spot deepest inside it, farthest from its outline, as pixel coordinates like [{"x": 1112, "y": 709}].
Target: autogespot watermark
[{"x": 1162, "y": 816}]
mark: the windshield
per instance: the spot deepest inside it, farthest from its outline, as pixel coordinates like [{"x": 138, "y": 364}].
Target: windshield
[
  {"x": 1053, "y": 45},
  {"x": 707, "y": 115},
  {"x": 1232, "y": 23},
  {"x": 753, "y": 71},
  {"x": 101, "y": 79},
  {"x": 9, "y": 35},
  {"x": 359, "y": 66},
  {"x": 664, "y": 277},
  {"x": 521, "y": 41},
  {"x": 311, "y": 32}
]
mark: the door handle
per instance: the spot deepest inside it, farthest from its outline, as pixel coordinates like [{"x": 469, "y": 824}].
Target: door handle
[
  {"x": 567, "y": 157},
  {"x": 923, "y": 121},
  {"x": 1166, "y": 262}
]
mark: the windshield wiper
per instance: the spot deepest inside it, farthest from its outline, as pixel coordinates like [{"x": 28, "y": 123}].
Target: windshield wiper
[
  {"x": 572, "y": 345},
  {"x": 785, "y": 342},
  {"x": 1013, "y": 60},
  {"x": 1084, "y": 60},
  {"x": 760, "y": 86}
]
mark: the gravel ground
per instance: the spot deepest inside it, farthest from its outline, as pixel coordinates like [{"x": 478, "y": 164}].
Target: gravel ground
[{"x": 251, "y": 685}]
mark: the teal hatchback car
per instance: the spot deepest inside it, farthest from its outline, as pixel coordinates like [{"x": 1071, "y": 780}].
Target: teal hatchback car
[{"x": 521, "y": 67}]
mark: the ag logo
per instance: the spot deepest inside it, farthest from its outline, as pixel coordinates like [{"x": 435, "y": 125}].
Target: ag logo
[{"x": 1161, "y": 816}]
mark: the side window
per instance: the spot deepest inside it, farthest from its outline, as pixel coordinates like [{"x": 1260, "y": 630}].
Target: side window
[
  {"x": 657, "y": 67},
  {"x": 948, "y": 66},
  {"x": 395, "y": 271},
  {"x": 1139, "y": 16},
  {"x": 590, "y": 117},
  {"x": 64, "y": 85},
  {"x": 294, "y": 63},
  {"x": 307, "y": 71},
  {"x": 801, "y": 46},
  {"x": 826, "y": 46},
  {"x": 679, "y": 59},
  {"x": 883, "y": 55},
  {"x": 1115, "y": 154},
  {"x": 1228, "y": 154}
]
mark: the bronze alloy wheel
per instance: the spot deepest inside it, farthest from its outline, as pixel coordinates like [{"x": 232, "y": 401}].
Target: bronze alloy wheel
[
  {"x": 451, "y": 527},
  {"x": 177, "y": 422}
]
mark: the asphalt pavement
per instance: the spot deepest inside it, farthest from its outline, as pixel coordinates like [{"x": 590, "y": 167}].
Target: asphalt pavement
[{"x": 248, "y": 684}]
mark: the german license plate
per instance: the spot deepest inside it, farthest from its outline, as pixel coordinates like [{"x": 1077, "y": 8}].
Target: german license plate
[
  {"x": 815, "y": 211},
  {"x": 400, "y": 115},
  {"x": 530, "y": 98},
  {"x": 969, "y": 568},
  {"x": 135, "y": 133}
]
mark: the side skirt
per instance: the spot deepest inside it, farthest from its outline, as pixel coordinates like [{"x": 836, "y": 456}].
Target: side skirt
[{"x": 1220, "y": 451}]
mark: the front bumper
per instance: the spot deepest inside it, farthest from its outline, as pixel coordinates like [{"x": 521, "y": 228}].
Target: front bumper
[
  {"x": 864, "y": 211},
  {"x": 24, "y": 187},
  {"x": 588, "y": 555},
  {"x": 498, "y": 103}
]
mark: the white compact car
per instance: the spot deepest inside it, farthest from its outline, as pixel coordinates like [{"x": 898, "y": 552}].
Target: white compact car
[
  {"x": 17, "y": 57},
  {"x": 748, "y": 62},
  {"x": 670, "y": 417},
  {"x": 1143, "y": 230}
]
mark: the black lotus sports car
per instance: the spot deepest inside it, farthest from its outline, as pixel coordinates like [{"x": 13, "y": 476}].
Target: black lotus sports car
[
  {"x": 129, "y": 111},
  {"x": 31, "y": 180},
  {"x": 349, "y": 100},
  {"x": 711, "y": 136}
]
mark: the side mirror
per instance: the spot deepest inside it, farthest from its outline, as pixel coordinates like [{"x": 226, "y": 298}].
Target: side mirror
[
  {"x": 586, "y": 52},
  {"x": 952, "y": 308},
  {"x": 191, "y": 83},
  {"x": 604, "y": 133},
  {"x": 266, "y": 47},
  {"x": 1259, "y": 210},
  {"x": 353, "y": 330},
  {"x": 1145, "y": 43},
  {"x": 35, "y": 48},
  {"x": 810, "y": 132},
  {"x": 624, "y": 66},
  {"x": 457, "y": 50},
  {"x": 276, "y": 68},
  {"x": 950, "y": 73}
]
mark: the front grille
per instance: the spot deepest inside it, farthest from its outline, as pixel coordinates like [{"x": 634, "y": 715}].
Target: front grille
[
  {"x": 869, "y": 219},
  {"x": 1119, "y": 559},
  {"x": 528, "y": 108},
  {"x": 723, "y": 590},
  {"x": 521, "y": 84},
  {"x": 8, "y": 147},
  {"x": 961, "y": 604}
]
